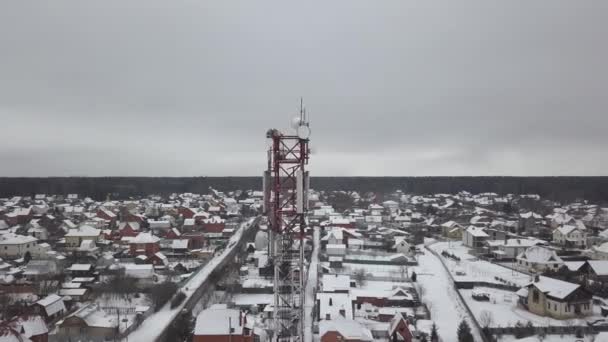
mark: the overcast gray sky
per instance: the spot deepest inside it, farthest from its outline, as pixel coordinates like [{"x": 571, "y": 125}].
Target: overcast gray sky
[{"x": 189, "y": 88}]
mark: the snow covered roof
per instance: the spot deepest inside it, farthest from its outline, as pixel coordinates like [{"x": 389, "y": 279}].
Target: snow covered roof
[
  {"x": 332, "y": 303},
  {"x": 540, "y": 255},
  {"x": 139, "y": 271},
  {"x": 16, "y": 239},
  {"x": 81, "y": 267},
  {"x": 477, "y": 232},
  {"x": 52, "y": 304},
  {"x": 145, "y": 238},
  {"x": 349, "y": 329},
  {"x": 83, "y": 231},
  {"x": 179, "y": 244},
  {"x": 599, "y": 267},
  {"x": 555, "y": 288},
  {"x": 217, "y": 320},
  {"x": 530, "y": 214},
  {"x": 333, "y": 283},
  {"x": 566, "y": 229}
]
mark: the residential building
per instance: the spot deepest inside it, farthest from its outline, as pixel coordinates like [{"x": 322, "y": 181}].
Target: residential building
[
  {"x": 219, "y": 323},
  {"x": 539, "y": 259},
  {"x": 570, "y": 236},
  {"x": 474, "y": 237},
  {"x": 343, "y": 330},
  {"x": 15, "y": 246},
  {"x": 555, "y": 298},
  {"x": 74, "y": 237},
  {"x": 144, "y": 244}
]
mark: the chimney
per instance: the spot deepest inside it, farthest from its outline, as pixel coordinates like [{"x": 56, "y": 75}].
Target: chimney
[
  {"x": 536, "y": 278},
  {"x": 240, "y": 318}
]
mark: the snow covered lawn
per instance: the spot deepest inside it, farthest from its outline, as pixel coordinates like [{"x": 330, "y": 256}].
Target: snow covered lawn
[
  {"x": 475, "y": 269},
  {"x": 505, "y": 312}
]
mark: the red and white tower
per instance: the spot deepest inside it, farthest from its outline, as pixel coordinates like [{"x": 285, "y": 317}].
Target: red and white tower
[{"x": 285, "y": 203}]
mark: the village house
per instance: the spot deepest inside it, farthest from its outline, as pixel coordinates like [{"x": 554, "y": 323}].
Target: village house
[
  {"x": 539, "y": 259},
  {"x": 529, "y": 222},
  {"x": 555, "y": 298},
  {"x": 28, "y": 328},
  {"x": 570, "y": 236},
  {"x": 452, "y": 230},
  {"x": 596, "y": 270},
  {"x": 15, "y": 246},
  {"x": 144, "y": 244},
  {"x": 333, "y": 305},
  {"x": 106, "y": 215},
  {"x": 219, "y": 323},
  {"x": 600, "y": 252},
  {"x": 50, "y": 307},
  {"x": 74, "y": 237},
  {"x": 474, "y": 237},
  {"x": 343, "y": 330},
  {"x": 399, "y": 329},
  {"x": 128, "y": 229}
]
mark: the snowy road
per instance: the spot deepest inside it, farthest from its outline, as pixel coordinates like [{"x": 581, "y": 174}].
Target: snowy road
[
  {"x": 447, "y": 310},
  {"x": 311, "y": 284},
  {"x": 155, "y": 325}
]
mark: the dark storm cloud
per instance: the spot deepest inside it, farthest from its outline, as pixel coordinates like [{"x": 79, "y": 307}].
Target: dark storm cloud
[{"x": 392, "y": 87}]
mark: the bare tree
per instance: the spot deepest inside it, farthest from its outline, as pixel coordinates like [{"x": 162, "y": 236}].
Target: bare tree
[
  {"x": 360, "y": 276},
  {"x": 486, "y": 319}
]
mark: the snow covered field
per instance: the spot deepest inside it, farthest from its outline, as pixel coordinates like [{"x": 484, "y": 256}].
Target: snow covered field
[
  {"x": 503, "y": 306},
  {"x": 440, "y": 296},
  {"x": 154, "y": 325},
  {"x": 475, "y": 269},
  {"x": 549, "y": 338}
]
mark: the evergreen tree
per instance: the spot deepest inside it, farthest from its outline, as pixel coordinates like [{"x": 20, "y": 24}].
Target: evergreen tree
[
  {"x": 434, "y": 334},
  {"x": 464, "y": 332}
]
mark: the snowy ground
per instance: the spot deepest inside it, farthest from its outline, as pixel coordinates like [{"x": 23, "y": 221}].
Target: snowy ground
[
  {"x": 311, "y": 284},
  {"x": 475, "y": 269},
  {"x": 154, "y": 325},
  {"x": 504, "y": 309},
  {"x": 440, "y": 296},
  {"x": 549, "y": 338}
]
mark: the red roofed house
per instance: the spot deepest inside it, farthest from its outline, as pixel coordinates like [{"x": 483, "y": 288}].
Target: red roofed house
[
  {"x": 214, "y": 224},
  {"x": 144, "y": 244},
  {"x": 218, "y": 323},
  {"x": 106, "y": 215},
  {"x": 173, "y": 233},
  {"x": 186, "y": 213},
  {"x": 399, "y": 329},
  {"x": 343, "y": 330},
  {"x": 128, "y": 229}
]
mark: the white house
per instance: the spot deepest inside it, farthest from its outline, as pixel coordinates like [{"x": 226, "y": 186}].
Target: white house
[
  {"x": 16, "y": 246},
  {"x": 570, "y": 236},
  {"x": 537, "y": 258},
  {"x": 402, "y": 246},
  {"x": 474, "y": 237}
]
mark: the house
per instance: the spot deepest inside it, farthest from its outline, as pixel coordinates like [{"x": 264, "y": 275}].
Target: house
[
  {"x": 512, "y": 248},
  {"x": 50, "y": 307},
  {"x": 539, "y": 259},
  {"x": 399, "y": 329},
  {"x": 74, "y": 237},
  {"x": 144, "y": 244},
  {"x": 129, "y": 229},
  {"x": 402, "y": 246},
  {"x": 555, "y": 298},
  {"x": 145, "y": 272},
  {"x": 15, "y": 246},
  {"x": 600, "y": 252},
  {"x": 343, "y": 330},
  {"x": 570, "y": 236},
  {"x": 596, "y": 269},
  {"x": 28, "y": 328},
  {"x": 81, "y": 270},
  {"x": 474, "y": 237},
  {"x": 91, "y": 322},
  {"x": 333, "y": 305},
  {"x": 106, "y": 215},
  {"x": 452, "y": 230},
  {"x": 218, "y": 323},
  {"x": 529, "y": 222},
  {"x": 214, "y": 224},
  {"x": 336, "y": 283}
]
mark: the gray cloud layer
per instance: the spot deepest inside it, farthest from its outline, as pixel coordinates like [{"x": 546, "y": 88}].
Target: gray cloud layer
[{"x": 184, "y": 88}]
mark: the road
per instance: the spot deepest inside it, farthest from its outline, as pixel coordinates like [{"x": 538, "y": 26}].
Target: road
[
  {"x": 311, "y": 284},
  {"x": 439, "y": 294},
  {"x": 155, "y": 325}
]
